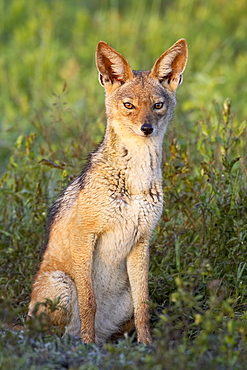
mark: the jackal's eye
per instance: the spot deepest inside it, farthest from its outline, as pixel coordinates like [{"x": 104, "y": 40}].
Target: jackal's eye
[
  {"x": 128, "y": 105},
  {"x": 158, "y": 105}
]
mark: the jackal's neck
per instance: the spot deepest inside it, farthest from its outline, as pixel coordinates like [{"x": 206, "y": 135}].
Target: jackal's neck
[
  {"x": 138, "y": 159},
  {"x": 119, "y": 149}
]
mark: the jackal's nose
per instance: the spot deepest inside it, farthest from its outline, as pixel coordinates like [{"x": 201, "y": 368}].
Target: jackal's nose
[{"x": 147, "y": 129}]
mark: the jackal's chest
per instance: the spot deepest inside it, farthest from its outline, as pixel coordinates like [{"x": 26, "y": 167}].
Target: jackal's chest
[
  {"x": 127, "y": 220},
  {"x": 141, "y": 210}
]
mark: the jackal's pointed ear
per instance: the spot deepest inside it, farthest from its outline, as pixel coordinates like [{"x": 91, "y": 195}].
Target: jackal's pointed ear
[
  {"x": 169, "y": 67},
  {"x": 114, "y": 69}
]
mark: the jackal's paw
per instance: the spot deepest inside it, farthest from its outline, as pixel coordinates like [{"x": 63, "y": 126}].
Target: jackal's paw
[
  {"x": 86, "y": 338},
  {"x": 145, "y": 338}
]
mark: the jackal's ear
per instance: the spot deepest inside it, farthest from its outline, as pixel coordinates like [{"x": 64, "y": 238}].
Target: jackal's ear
[
  {"x": 114, "y": 69},
  {"x": 169, "y": 67}
]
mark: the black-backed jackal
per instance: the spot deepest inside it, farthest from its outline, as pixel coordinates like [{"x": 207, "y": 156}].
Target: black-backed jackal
[{"x": 97, "y": 253}]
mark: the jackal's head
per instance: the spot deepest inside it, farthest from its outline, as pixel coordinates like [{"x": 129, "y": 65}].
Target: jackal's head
[{"x": 140, "y": 102}]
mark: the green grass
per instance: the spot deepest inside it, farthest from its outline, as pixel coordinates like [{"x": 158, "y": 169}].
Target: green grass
[{"x": 52, "y": 116}]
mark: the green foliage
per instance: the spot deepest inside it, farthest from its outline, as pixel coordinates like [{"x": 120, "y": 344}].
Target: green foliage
[{"x": 52, "y": 116}]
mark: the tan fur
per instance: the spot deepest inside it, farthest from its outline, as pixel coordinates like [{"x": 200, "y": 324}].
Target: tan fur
[{"x": 97, "y": 251}]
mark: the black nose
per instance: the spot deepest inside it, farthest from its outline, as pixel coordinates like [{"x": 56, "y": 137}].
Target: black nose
[{"x": 147, "y": 128}]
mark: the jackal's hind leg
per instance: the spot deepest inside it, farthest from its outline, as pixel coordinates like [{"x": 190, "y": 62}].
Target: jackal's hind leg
[
  {"x": 127, "y": 327},
  {"x": 57, "y": 284}
]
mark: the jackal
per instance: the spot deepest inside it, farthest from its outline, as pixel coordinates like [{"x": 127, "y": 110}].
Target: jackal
[{"x": 97, "y": 253}]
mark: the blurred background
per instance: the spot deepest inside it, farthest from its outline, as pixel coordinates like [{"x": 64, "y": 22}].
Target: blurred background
[{"x": 48, "y": 78}]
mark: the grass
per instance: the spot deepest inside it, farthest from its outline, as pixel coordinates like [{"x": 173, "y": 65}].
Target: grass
[{"x": 52, "y": 115}]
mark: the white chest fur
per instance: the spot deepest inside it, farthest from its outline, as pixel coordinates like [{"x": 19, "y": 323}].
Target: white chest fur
[
  {"x": 130, "y": 218},
  {"x": 132, "y": 180}
]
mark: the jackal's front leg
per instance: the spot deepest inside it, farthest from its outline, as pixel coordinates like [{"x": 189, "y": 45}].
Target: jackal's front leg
[
  {"x": 82, "y": 254},
  {"x": 137, "y": 266}
]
